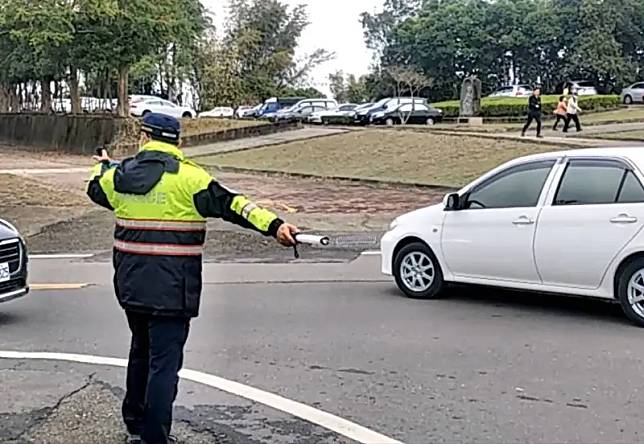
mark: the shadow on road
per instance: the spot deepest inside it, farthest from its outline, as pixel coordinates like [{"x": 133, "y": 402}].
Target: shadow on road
[{"x": 530, "y": 304}]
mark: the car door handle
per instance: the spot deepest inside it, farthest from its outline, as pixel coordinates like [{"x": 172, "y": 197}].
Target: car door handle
[
  {"x": 623, "y": 219},
  {"x": 523, "y": 220}
]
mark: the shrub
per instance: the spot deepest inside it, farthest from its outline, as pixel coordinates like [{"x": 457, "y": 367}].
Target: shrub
[{"x": 517, "y": 107}]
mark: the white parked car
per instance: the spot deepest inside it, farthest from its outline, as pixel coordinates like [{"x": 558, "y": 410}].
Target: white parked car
[
  {"x": 583, "y": 87},
  {"x": 243, "y": 111},
  {"x": 634, "y": 93},
  {"x": 220, "y": 111},
  {"x": 343, "y": 110},
  {"x": 567, "y": 222},
  {"x": 155, "y": 105},
  {"x": 513, "y": 91}
]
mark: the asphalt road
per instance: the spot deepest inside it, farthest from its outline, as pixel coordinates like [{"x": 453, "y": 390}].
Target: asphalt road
[{"x": 481, "y": 366}]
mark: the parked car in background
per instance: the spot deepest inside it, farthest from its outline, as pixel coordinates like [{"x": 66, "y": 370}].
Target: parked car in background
[
  {"x": 343, "y": 110},
  {"x": 275, "y": 104},
  {"x": 513, "y": 91},
  {"x": 409, "y": 113},
  {"x": 633, "y": 94},
  {"x": 583, "y": 87},
  {"x": 363, "y": 117},
  {"x": 13, "y": 263},
  {"x": 297, "y": 113},
  {"x": 241, "y": 111},
  {"x": 569, "y": 222},
  {"x": 322, "y": 102},
  {"x": 220, "y": 111},
  {"x": 142, "y": 107},
  {"x": 253, "y": 112}
]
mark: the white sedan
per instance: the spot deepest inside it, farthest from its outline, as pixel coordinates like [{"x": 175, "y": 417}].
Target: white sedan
[
  {"x": 220, "y": 111},
  {"x": 155, "y": 105},
  {"x": 568, "y": 222}
]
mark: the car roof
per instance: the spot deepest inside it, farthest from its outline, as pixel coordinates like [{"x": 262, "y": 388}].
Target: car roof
[{"x": 633, "y": 153}]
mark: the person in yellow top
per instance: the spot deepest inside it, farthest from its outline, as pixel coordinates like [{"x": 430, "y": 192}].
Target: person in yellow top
[
  {"x": 560, "y": 112},
  {"x": 161, "y": 201}
]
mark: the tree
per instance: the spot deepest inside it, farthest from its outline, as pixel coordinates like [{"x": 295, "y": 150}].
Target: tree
[
  {"x": 409, "y": 80},
  {"x": 338, "y": 86}
]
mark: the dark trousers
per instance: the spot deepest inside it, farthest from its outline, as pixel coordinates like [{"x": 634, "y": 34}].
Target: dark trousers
[
  {"x": 532, "y": 117},
  {"x": 560, "y": 118},
  {"x": 575, "y": 118},
  {"x": 156, "y": 356}
]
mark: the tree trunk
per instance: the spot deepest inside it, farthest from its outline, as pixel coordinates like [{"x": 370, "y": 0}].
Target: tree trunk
[
  {"x": 124, "y": 105},
  {"x": 4, "y": 97},
  {"x": 74, "y": 91},
  {"x": 14, "y": 100},
  {"x": 45, "y": 102}
]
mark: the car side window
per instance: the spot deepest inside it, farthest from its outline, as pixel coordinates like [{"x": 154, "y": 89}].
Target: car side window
[
  {"x": 595, "y": 182},
  {"x": 516, "y": 187},
  {"x": 639, "y": 86}
]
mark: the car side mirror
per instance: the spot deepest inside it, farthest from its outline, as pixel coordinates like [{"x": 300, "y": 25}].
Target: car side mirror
[{"x": 452, "y": 202}]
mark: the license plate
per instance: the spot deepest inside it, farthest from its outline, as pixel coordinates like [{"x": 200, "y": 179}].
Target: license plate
[{"x": 5, "y": 274}]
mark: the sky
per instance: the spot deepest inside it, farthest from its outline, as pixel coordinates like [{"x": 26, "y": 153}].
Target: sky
[{"x": 335, "y": 26}]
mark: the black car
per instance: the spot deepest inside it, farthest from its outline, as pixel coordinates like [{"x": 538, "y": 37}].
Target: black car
[
  {"x": 416, "y": 114},
  {"x": 13, "y": 263}
]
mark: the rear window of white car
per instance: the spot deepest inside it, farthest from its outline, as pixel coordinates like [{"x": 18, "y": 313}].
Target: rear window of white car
[{"x": 593, "y": 182}]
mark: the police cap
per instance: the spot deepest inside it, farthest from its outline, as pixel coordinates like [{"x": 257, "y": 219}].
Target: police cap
[{"x": 161, "y": 126}]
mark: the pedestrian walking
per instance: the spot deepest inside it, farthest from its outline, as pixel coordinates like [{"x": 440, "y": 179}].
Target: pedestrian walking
[
  {"x": 572, "y": 112},
  {"x": 534, "y": 112},
  {"x": 161, "y": 201},
  {"x": 560, "y": 112}
]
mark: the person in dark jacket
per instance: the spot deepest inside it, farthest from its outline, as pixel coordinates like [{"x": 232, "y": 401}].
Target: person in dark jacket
[
  {"x": 534, "y": 112},
  {"x": 161, "y": 201}
]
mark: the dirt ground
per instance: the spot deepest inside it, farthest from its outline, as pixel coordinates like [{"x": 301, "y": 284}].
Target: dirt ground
[
  {"x": 45, "y": 199},
  {"x": 388, "y": 155}
]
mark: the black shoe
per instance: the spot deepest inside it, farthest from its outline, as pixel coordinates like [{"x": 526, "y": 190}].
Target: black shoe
[
  {"x": 539, "y": 136},
  {"x": 522, "y": 134}
]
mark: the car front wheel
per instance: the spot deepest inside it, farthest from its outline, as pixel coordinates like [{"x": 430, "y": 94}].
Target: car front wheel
[
  {"x": 429, "y": 121},
  {"x": 630, "y": 291},
  {"x": 417, "y": 272},
  {"x": 389, "y": 122},
  {"x": 628, "y": 100}
]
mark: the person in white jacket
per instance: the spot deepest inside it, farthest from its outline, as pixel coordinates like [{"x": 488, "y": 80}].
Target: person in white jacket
[{"x": 572, "y": 112}]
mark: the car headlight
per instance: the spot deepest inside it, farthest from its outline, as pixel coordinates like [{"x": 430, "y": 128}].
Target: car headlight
[{"x": 394, "y": 223}]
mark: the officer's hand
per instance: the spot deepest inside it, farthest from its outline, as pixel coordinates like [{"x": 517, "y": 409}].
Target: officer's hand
[
  {"x": 285, "y": 234},
  {"x": 104, "y": 157}
]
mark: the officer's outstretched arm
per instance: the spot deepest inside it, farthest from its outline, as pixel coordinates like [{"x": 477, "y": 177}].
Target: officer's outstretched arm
[
  {"x": 218, "y": 201},
  {"x": 98, "y": 182}
]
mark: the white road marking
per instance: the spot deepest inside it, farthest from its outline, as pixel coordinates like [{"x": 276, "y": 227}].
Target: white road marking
[
  {"x": 371, "y": 253},
  {"x": 331, "y": 422},
  {"x": 60, "y": 256}
]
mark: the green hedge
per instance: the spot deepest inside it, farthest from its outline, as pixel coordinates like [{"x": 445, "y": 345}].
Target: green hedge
[{"x": 516, "y": 107}]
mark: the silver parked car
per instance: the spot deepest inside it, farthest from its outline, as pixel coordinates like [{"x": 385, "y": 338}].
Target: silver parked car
[
  {"x": 633, "y": 94},
  {"x": 13, "y": 263}
]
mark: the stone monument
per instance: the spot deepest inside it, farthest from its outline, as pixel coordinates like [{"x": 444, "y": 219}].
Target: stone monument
[{"x": 470, "y": 101}]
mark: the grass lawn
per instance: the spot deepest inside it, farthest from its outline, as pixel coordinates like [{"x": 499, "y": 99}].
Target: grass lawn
[
  {"x": 387, "y": 155},
  {"x": 622, "y": 135},
  {"x": 619, "y": 115},
  {"x": 192, "y": 127}
]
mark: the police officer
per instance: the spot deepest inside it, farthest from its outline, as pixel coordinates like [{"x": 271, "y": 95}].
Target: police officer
[{"x": 161, "y": 201}]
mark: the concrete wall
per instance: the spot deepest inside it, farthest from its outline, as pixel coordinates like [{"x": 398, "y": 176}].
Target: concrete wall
[{"x": 71, "y": 134}]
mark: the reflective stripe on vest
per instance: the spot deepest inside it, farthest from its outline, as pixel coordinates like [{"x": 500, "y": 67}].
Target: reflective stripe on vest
[
  {"x": 161, "y": 225},
  {"x": 158, "y": 249}
]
